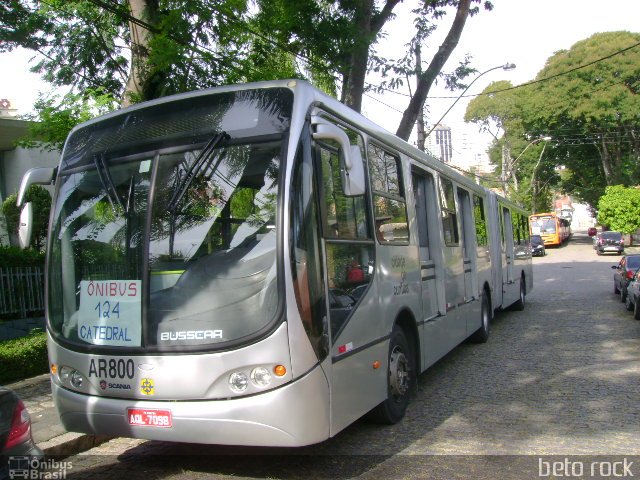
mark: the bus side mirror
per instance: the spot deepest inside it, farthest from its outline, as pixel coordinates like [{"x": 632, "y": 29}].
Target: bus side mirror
[
  {"x": 25, "y": 227},
  {"x": 40, "y": 176},
  {"x": 351, "y": 162}
]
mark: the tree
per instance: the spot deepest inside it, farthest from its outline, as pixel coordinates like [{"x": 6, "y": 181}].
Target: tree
[
  {"x": 132, "y": 49},
  {"x": 41, "y": 208},
  {"x": 586, "y": 99},
  {"x": 619, "y": 209},
  {"x": 597, "y": 105},
  {"x": 344, "y": 35}
]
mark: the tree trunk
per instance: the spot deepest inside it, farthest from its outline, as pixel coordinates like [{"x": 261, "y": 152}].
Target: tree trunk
[
  {"x": 369, "y": 25},
  {"x": 144, "y": 10},
  {"x": 426, "y": 80},
  {"x": 606, "y": 162}
]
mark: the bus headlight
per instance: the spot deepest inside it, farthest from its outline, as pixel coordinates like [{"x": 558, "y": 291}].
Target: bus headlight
[
  {"x": 261, "y": 377},
  {"x": 64, "y": 373},
  {"x": 238, "y": 382},
  {"x": 76, "y": 379}
]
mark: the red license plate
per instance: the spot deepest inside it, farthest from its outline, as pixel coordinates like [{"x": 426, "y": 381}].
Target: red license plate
[{"x": 146, "y": 417}]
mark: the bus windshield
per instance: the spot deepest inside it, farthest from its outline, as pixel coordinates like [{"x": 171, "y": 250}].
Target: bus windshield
[
  {"x": 164, "y": 231},
  {"x": 543, "y": 225}
]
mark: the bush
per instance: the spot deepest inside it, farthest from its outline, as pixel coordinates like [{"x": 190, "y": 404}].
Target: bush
[
  {"x": 23, "y": 357},
  {"x": 16, "y": 257}
]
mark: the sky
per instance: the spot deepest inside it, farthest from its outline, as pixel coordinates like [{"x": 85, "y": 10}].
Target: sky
[{"x": 516, "y": 31}]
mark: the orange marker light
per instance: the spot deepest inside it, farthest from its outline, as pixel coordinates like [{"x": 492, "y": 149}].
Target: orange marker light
[
  {"x": 376, "y": 365},
  {"x": 54, "y": 369},
  {"x": 280, "y": 370}
]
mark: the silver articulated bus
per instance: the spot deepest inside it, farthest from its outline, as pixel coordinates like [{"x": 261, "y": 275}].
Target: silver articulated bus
[{"x": 261, "y": 265}]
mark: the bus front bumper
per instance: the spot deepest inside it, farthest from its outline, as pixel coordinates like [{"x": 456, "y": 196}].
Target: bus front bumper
[{"x": 296, "y": 414}]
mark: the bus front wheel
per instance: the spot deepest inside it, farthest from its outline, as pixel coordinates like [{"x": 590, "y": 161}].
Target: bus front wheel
[{"x": 400, "y": 377}]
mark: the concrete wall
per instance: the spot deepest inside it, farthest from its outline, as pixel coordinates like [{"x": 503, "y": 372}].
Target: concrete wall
[{"x": 13, "y": 165}]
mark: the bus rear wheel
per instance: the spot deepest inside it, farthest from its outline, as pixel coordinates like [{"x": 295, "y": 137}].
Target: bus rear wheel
[
  {"x": 400, "y": 378},
  {"x": 482, "y": 334},
  {"x": 519, "y": 305}
]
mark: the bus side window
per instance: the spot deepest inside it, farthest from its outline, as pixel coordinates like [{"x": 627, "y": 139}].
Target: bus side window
[
  {"x": 388, "y": 196},
  {"x": 480, "y": 221},
  {"x": 449, "y": 215}
]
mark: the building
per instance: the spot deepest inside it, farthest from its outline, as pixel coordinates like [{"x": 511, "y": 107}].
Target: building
[{"x": 440, "y": 144}]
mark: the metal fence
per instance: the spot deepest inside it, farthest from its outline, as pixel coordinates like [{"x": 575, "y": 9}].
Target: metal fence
[{"x": 21, "y": 291}]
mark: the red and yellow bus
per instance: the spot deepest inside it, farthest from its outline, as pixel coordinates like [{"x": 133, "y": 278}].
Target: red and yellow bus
[{"x": 553, "y": 229}]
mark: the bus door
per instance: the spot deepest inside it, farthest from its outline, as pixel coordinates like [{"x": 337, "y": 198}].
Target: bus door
[
  {"x": 468, "y": 246},
  {"x": 454, "y": 276},
  {"x": 434, "y": 319},
  {"x": 507, "y": 251},
  {"x": 354, "y": 322},
  {"x": 432, "y": 294}
]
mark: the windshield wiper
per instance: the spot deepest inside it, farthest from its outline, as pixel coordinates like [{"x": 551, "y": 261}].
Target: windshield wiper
[
  {"x": 107, "y": 183},
  {"x": 201, "y": 163}
]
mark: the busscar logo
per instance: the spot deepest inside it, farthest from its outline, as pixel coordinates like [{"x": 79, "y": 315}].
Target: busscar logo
[
  {"x": 146, "y": 386},
  {"x": 191, "y": 335},
  {"x": 103, "y": 384}
]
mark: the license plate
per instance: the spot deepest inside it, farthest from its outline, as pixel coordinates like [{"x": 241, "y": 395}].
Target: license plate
[{"x": 149, "y": 417}]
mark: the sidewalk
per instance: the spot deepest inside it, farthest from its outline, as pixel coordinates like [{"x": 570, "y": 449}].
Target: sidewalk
[{"x": 48, "y": 433}]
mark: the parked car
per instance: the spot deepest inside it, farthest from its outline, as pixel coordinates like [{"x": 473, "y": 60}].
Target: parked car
[
  {"x": 592, "y": 231},
  {"x": 610, "y": 242},
  {"x": 537, "y": 246},
  {"x": 624, "y": 272},
  {"x": 16, "y": 439},
  {"x": 633, "y": 295}
]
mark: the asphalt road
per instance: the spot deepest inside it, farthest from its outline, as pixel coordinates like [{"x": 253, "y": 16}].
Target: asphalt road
[{"x": 560, "y": 378}]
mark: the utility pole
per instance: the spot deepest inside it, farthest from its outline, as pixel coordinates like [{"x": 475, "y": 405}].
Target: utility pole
[{"x": 421, "y": 132}]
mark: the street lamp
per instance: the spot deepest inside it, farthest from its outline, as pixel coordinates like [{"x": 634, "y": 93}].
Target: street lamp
[{"x": 506, "y": 66}]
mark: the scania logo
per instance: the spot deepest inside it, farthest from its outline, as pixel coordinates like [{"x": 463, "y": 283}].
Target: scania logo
[{"x": 114, "y": 386}]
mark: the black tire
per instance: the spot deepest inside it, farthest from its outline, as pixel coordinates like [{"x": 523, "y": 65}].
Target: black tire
[
  {"x": 519, "y": 305},
  {"x": 400, "y": 379},
  {"x": 636, "y": 311},
  {"x": 482, "y": 334},
  {"x": 628, "y": 303},
  {"x": 616, "y": 290}
]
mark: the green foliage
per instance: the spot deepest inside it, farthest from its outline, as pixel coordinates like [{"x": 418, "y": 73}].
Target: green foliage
[
  {"x": 23, "y": 357},
  {"x": 592, "y": 114},
  {"x": 619, "y": 209},
  {"x": 55, "y": 116},
  {"x": 17, "y": 257},
  {"x": 41, "y": 208}
]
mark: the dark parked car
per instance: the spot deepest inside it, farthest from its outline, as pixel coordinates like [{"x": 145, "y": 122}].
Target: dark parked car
[
  {"x": 592, "y": 231},
  {"x": 610, "y": 242},
  {"x": 15, "y": 427},
  {"x": 537, "y": 246},
  {"x": 624, "y": 271}
]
